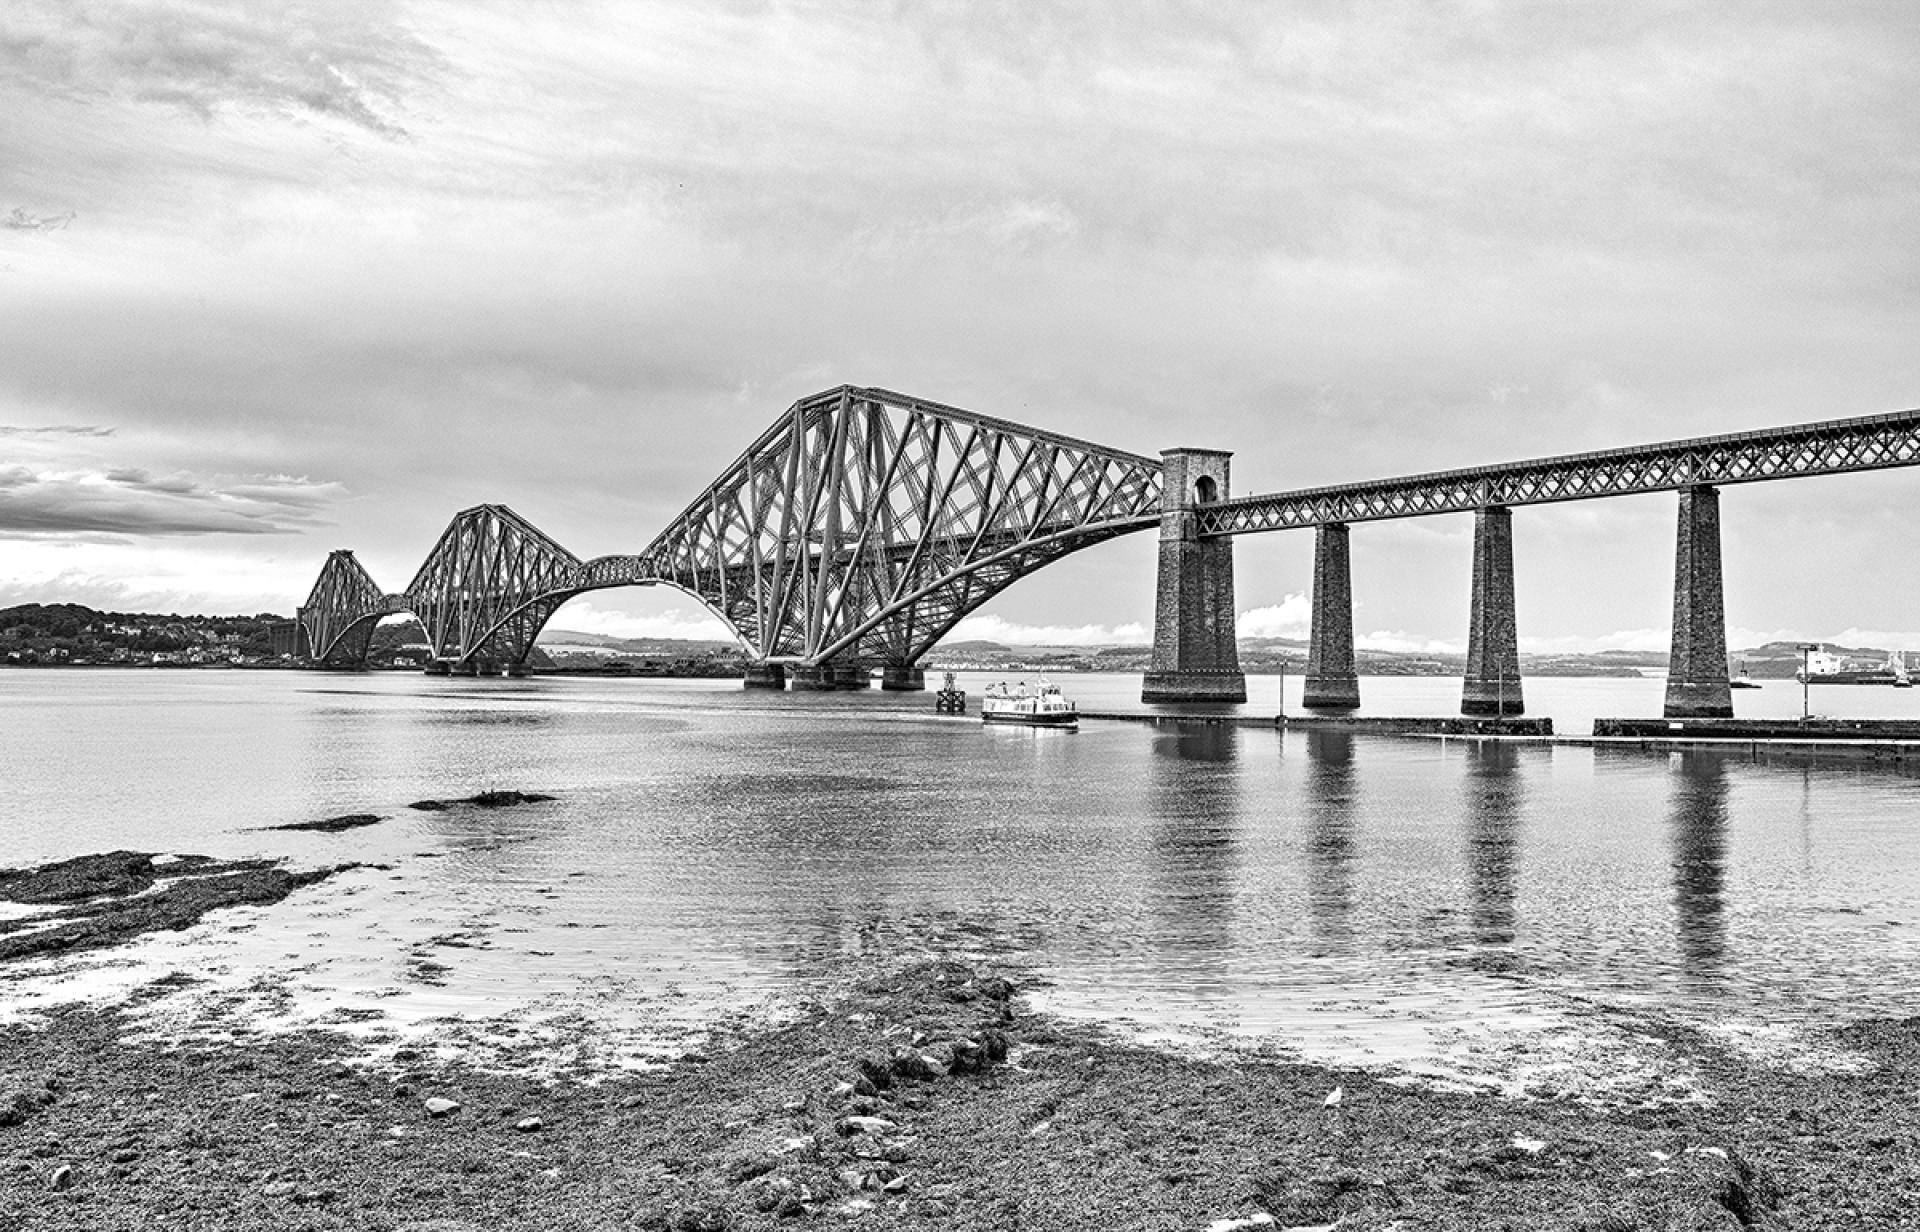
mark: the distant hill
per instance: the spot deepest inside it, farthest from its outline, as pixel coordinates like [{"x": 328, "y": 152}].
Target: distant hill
[
  {"x": 69, "y": 633},
  {"x": 73, "y": 633},
  {"x": 658, "y": 647},
  {"x": 573, "y": 637}
]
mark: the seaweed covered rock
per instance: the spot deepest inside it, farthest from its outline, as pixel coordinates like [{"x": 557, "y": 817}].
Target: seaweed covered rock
[{"x": 485, "y": 799}]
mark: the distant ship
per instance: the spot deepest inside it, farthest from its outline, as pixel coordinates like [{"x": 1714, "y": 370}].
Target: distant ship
[
  {"x": 1823, "y": 667},
  {"x": 1743, "y": 681}
]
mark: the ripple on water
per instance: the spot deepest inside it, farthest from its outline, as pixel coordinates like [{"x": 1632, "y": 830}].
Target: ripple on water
[{"x": 1453, "y": 908}]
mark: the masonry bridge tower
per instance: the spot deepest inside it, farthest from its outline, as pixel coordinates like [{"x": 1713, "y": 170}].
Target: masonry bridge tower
[{"x": 1194, "y": 559}]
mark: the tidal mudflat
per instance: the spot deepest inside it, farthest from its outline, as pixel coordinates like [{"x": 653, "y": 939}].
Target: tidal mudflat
[{"x": 904, "y": 1093}]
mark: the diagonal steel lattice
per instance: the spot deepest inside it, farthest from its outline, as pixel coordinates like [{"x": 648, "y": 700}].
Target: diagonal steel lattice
[
  {"x": 1839, "y": 446},
  {"x": 342, "y": 610},
  {"x": 489, "y": 585},
  {"x": 859, "y": 528},
  {"x": 864, "y": 524}
]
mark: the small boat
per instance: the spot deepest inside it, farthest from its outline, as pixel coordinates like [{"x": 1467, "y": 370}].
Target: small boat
[
  {"x": 1045, "y": 708},
  {"x": 1743, "y": 681}
]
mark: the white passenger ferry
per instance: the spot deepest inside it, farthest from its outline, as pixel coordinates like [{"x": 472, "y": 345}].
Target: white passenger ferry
[{"x": 1045, "y": 708}]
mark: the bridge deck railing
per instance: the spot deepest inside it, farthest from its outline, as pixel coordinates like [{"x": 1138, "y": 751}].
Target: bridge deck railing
[{"x": 1838, "y": 446}]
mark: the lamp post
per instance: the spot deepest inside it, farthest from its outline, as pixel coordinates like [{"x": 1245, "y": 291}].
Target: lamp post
[{"x": 1806, "y": 678}]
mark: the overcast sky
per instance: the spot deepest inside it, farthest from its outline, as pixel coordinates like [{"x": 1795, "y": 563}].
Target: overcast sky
[{"x": 276, "y": 279}]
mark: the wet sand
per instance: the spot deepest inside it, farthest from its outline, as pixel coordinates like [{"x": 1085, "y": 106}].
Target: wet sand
[{"x": 916, "y": 1095}]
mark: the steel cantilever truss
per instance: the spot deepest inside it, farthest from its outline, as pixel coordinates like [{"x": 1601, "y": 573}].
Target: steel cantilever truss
[
  {"x": 1872, "y": 442},
  {"x": 489, "y": 585},
  {"x": 865, "y": 524},
  {"x": 340, "y": 614},
  {"x": 859, "y": 528}
]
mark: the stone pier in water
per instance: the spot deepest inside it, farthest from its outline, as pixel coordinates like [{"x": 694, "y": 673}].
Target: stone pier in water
[{"x": 1195, "y": 656}]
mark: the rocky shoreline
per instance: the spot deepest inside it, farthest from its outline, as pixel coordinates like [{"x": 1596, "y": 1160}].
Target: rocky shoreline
[
  {"x": 908, "y": 1094},
  {"x": 924, "y": 1096},
  {"x": 102, "y": 900}
]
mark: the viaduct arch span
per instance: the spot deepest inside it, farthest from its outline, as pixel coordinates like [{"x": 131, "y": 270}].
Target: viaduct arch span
[{"x": 861, "y": 526}]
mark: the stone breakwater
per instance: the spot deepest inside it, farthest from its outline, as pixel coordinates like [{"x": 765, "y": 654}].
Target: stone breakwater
[{"x": 921, "y": 1096}]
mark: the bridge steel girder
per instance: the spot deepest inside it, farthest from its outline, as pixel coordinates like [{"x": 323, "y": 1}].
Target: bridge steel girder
[
  {"x": 340, "y": 613},
  {"x": 1833, "y": 447},
  {"x": 858, "y": 529},
  {"x": 864, "y": 524},
  {"x": 489, "y": 584}
]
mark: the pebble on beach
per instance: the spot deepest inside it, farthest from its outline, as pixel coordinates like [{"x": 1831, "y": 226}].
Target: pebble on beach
[{"x": 771, "y": 1123}]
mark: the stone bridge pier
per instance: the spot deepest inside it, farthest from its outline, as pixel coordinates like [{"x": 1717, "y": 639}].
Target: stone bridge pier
[
  {"x": 1195, "y": 657},
  {"x": 1697, "y": 685},
  {"x": 765, "y": 676},
  {"x": 1333, "y": 679},
  {"x": 1492, "y": 686}
]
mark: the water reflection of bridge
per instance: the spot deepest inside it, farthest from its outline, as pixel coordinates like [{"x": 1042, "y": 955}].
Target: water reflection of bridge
[
  {"x": 860, "y": 527},
  {"x": 1697, "y": 824},
  {"x": 1196, "y": 845},
  {"x": 1496, "y": 810}
]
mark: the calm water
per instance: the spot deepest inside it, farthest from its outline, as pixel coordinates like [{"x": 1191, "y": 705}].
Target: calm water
[{"x": 1429, "y": 905}]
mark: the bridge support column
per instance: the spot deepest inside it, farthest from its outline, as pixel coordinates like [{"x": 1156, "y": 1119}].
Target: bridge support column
[
  {"x": 1697, "y": 685},
  {"x": 519, "y": 671},
  {"x": 902, "y": 678},
  {"x": 1333, "y": 682},
  {"x": 765, "y": 676},
  {"x": 1492, "y": 686},
  {"x": 1195, "y": 657},
  {"x": 826, "y": 677},
  {"x": 811, "y": 678}
]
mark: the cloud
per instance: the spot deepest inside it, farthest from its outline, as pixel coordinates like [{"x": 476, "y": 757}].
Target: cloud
[
  {"x": 1401, "y": 642},
  {"x": 1019, "y": 224},
  {"x": 19, "y": 220},
  {"x": 341, "y": 60},
  {"x": 1342, "y": 243},
  {"x": 997, "y": 629},
  {"x": 287, "y": 491},
  {"x": 150, "y": 576},
  {"x": 585, "y": 616},
  {"x": 56, "y": 430},
  {"x": 129, "y": 501},
  {"x": 1290, "y": 618},
  {"x": 140, "y": 480}
]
